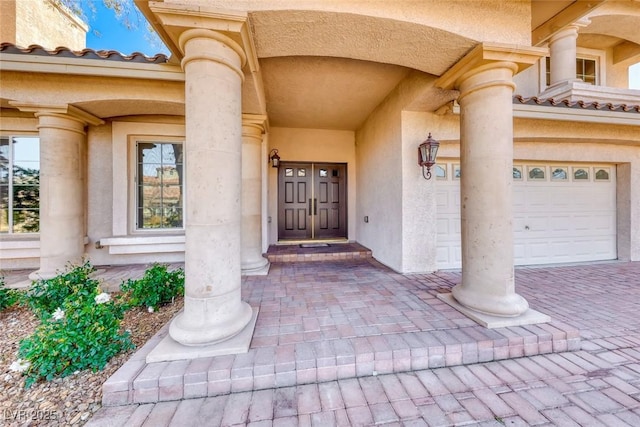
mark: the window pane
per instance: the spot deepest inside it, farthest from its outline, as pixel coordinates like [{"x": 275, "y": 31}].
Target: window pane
[
  {"x": 559, "y": 174},
  {"x": 517, "y": 172},
  {"x": 580, "y": 174},
  {"x": 159, "y": 185},
  {"x": 26, "y": 149},
  {"x": 26, "y": 221},
  {"x": 19, "y": 184},
  {"x": 536, "y": 173},
  {"x": 441, "y": 171},
  {"x": 602, "y": 174}
]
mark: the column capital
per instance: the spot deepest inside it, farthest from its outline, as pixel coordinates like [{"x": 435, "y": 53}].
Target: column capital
[
  {"x": 171, "y": 20},
  {"x": 256, "y": 121},
  {"x": 570, "y": 30},
  {"x": 488, "y": 55},
  {"x": 58, "y": 110}
]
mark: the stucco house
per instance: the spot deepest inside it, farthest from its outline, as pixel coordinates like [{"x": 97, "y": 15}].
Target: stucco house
[{"x": 168, "y": 158}]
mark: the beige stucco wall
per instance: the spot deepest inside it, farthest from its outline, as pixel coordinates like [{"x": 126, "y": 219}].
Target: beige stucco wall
[
  {"x": 312, "y": 145},
  {"x": 379, "y": 157},
  {"x": 45, "y": 23}
]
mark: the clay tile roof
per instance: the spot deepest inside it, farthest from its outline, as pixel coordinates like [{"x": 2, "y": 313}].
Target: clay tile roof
[
  {"x": 110, "y": 55},
  {"x": 577, "y": 105}
]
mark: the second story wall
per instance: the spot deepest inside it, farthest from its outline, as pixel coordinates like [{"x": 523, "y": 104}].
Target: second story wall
[{"x": 42, "y": 22}]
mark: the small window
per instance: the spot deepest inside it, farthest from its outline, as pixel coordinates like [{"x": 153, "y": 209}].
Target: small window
[
  {"x": 580, "y": 174},
  {"x": 302, "y": 172},
  {"x": 335, "y": 173},
  {"x": 457, "y": 172},
  {"x": 288, "y": 172},
  {"x": 559, "y": 173},
  {"x": 602, "y": 174},
  {"x": 324, "y": 173},
  {"x": 537, "y": 173},
  {"x": 159, "y": 185},
  {"x": 441, "y": 171},
  {"x": 517, "y": 173},
  {"x": 586, "y": 70}
]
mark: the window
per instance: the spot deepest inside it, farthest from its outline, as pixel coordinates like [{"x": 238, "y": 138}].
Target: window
[
  {"x": 559, "y": 173},
  {"x": 160, "y": 185},
  {"x": 441, "y": 171},
  {"x": 580, "y": 174},
  {"x": 586, "y": 70},
  {"x": 19, "y": 184},
  {"x": 536, "y": 173},
  {"x": 517, "y": 173}
]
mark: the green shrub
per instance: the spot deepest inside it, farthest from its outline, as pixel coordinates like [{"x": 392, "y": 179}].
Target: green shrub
[
  {"x": 82, "y": 333},
  {"x": 8, "y": 297},
  {"x": 157, "y": 286},
  {"x": 45, "y": 295}
]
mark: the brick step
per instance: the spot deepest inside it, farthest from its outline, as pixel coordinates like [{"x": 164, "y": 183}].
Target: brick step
[
  {"x": 275, "y": 366},
  {"x": 331, "y": 252}
]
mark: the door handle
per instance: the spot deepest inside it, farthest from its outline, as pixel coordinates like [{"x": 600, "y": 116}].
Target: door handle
[
  {"x": 309, "y": 207},
  {"x": 315, "y": 206}
]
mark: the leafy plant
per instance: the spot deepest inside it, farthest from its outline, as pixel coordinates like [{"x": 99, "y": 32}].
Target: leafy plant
[
  {"x": 45, "y": 295},
  {"x": 8, "y": 297},
  {"x": 157, "y": 286},
  {"x": 82, "y": 333}
]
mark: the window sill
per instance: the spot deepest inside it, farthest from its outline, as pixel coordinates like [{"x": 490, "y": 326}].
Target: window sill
[
  {"x": 142, "y": 244},
  {"x": 14, "y": 247}
]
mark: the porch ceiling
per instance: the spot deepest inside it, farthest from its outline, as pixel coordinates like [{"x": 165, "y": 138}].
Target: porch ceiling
[{"x": 324, "y": 92}]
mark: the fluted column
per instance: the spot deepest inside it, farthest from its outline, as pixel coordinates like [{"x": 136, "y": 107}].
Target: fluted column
[
  {"x": 253, "y": 263},
  {"x": 213, "y": 309},
  {"x": 486, "y": 193}
]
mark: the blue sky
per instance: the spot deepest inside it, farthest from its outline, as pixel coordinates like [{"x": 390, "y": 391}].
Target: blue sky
[{"x": 108, "y": 33}]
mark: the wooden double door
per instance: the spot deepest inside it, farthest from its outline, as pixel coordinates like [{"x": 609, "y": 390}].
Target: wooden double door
[{"x": 312, "y": 201}]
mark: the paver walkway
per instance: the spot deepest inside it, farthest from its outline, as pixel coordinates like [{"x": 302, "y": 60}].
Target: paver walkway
[{"x": 597, "y": 385}]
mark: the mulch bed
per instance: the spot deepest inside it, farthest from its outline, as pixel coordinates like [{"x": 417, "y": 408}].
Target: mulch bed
[{"x": 63, "y": 401}]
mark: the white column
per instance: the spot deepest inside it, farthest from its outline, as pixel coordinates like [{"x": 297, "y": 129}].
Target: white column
[
  {"x": 562, "y": 52},
  {"x": 61, "y": 192},
  {"x": 213, "y": 309},
  {"x": 486, "y": 158},
  {"x": 252, "y": 162}
]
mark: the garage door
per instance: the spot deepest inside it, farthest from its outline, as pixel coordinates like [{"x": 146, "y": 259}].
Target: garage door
[{"x": 562, "y": 213}]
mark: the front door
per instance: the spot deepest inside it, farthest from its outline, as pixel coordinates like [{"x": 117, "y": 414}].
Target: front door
[{"x": 312, "y": 201}]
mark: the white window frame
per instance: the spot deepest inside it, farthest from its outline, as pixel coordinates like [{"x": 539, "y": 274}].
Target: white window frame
[
  {"x": 10, "y": 231},
  {"x": 599, "y": 56},
  {"x": 124, "y": 135},
  {"x": 134, "y": 188}
]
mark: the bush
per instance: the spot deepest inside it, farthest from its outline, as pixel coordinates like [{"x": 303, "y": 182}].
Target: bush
[
  {"x": 157, "y": 286},
  {"x": 45, "y": 295},
  {"x": 8, "y": 297},
  {"x": 82, "y": 333}
]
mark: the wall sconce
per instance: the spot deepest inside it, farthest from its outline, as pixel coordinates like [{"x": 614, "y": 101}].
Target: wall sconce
[
  {"x": 427, "y": 152},
  {"x": 274, "y": 158}
]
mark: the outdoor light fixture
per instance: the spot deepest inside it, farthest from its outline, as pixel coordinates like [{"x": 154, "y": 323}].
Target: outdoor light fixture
[
  {"x": 275, "y": 159},
  {"x": 427, "y": 152}
]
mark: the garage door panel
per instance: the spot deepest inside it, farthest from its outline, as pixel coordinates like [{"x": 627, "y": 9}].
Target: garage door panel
[{"x": 554, "y": 221}]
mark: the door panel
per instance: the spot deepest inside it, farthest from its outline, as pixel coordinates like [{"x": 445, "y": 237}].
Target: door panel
[
  {"x": 294, "y": 194},
  {"x": 312, "y": 201},
  {"x": 331, "y": 200}
]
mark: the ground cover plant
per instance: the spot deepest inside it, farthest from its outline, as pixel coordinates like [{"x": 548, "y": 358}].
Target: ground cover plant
[
  {"x": 80, "y": 325},
  {"x": 158, "y": 286}
]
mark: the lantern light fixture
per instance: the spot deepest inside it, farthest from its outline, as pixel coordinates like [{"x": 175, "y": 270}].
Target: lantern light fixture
[
  {"x": 427, "y": 152},
  {"x": 274, "y": 158}
]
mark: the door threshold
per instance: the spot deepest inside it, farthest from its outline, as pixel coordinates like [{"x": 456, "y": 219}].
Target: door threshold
[{"x": 310, "y": 241}]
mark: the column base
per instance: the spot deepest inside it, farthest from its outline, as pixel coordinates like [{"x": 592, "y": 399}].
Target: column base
[
  {"x": 168, "y": 349},
  {"x": 189, "y": 332},
  {"x": 529, "y": 317},
  {"x": 260, "y": 268},
  {"x": 43, "y": 275}
]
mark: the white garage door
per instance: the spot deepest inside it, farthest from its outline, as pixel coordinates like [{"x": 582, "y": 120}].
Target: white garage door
[{"x": 562, "y": 213}]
